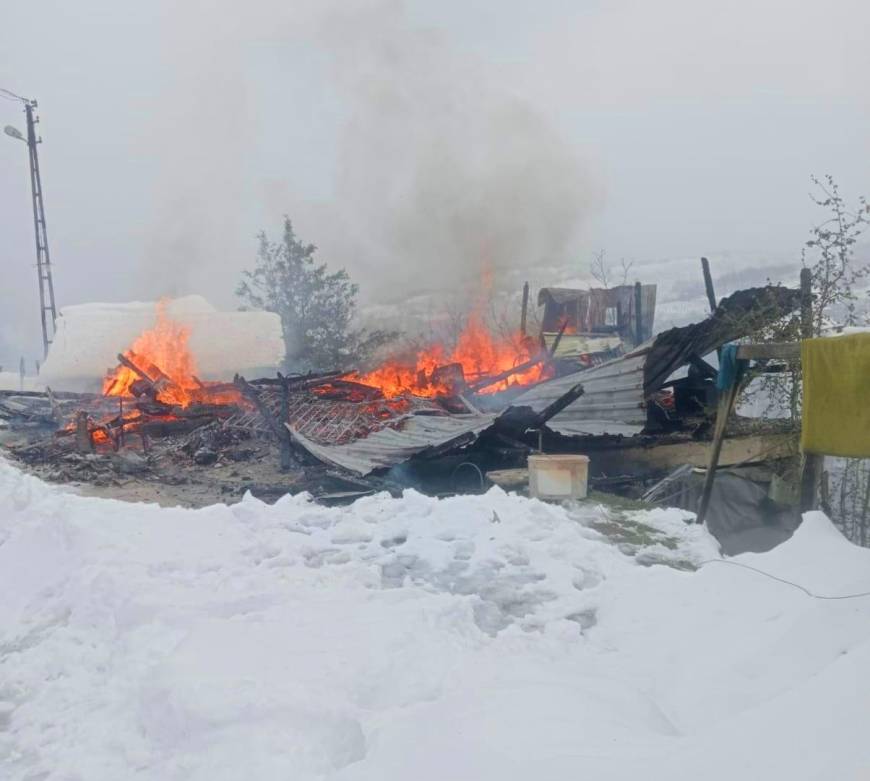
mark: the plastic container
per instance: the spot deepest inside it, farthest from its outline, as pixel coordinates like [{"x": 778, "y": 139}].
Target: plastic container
[{"x": 558, "y": 476}]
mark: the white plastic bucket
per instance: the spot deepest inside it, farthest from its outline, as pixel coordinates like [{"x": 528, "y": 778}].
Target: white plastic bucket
[{"x": 558, "y": 476}]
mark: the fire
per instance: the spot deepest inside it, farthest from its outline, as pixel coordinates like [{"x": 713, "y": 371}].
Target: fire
[
  {"x": 163, "y": 355},
  {"x": 478, "y": 353}
]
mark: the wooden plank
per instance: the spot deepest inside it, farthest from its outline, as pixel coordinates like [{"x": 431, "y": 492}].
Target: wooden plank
[
  {"x": 785, "y": 351},
  {"x": 501, "y": 376},
  {"x": 525, "y": 309},
  {"x": 727, "y": 400},
  {"x": 752, "y": 448},
  {"x": 638, "y": 314},
  {"x": 813, "y": 465},
  {"x": 708, "y": 284}
]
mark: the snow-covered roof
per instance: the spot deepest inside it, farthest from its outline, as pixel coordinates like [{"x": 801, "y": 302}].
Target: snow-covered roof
[{"x": 90, "y": 336}]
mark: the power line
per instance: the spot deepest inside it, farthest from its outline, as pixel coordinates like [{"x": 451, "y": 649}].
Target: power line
[
  {"x": 783, "y": 580},
  {"x": 13, "y": 95}
]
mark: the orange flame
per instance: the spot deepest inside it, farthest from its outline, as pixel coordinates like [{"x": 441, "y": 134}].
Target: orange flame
[
  {"x": 163, "y": 354},
  {"x": 478, "y": 352}
]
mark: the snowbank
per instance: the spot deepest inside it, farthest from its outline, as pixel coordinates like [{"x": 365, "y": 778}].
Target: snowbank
[
  {"x": 481, "y": 637},
  {"x": 90, "y": 336},
  {"x": 14, "y": 381}
]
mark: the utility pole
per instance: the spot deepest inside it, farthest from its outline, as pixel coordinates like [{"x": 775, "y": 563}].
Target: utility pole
[
  {"x": 43, "y": 259},
  {"x": 47, "y": 308}
]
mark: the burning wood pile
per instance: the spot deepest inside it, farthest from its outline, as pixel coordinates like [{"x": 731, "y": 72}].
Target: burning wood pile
[{"x": 153, "y": 399}]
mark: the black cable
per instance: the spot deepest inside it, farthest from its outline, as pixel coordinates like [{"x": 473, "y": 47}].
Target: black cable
[
  {"x": 783, "y": 580},
  {"x": 13, "y": 95}
]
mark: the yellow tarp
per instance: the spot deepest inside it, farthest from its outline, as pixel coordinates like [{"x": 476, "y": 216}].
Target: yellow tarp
[{"x": 836, "y": 406}]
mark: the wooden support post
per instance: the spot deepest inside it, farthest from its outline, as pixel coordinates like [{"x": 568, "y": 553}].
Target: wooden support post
[
  {"x": 558, "y": 339},
  {"x": 282, "y": 435},
  {"x": 84, "y": 443},
  {"x": 727, "y": 400},
  {"x": 524, "y": 312},
  {"x": 813, "y": 465},
  {"x": 285, "y": 417},
  {"x": 708, "y": 284},
  {"x": 638, "y": 312}
]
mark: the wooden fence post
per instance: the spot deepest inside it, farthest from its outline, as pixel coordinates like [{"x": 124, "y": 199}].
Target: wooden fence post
[{"x": 811, "y": 471}]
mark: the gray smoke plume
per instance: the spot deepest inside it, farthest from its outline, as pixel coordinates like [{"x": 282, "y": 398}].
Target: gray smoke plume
[{"x": 440, "y": 174}]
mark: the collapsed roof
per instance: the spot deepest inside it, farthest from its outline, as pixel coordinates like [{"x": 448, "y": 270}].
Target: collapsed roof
[
  {"x": 616, "y": 393},
  {"x": 354, "y": 426}
]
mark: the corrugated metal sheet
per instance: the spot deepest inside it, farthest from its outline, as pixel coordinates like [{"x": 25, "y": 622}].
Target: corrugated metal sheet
[
  {"x": 391, "y": 446},
  {"x": 612, "y": 400}
]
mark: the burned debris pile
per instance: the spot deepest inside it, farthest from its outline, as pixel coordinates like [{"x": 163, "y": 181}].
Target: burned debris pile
[{"x": 439, "y": 424}]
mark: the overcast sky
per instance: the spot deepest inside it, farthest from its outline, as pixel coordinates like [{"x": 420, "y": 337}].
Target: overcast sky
[{"x": 415, "y": 141}]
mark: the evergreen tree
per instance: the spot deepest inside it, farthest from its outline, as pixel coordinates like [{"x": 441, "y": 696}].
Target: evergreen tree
[{"x": 316, "y": 307}]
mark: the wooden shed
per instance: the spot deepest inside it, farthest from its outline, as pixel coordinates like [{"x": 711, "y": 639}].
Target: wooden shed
[{"x": 600, "y": 311}]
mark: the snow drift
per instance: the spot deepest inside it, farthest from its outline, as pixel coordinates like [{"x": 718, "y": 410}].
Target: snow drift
[{"x": 484, "y": 637}]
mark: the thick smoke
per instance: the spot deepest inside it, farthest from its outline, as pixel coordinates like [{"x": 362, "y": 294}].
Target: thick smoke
[{"x": 440, "y": 172}]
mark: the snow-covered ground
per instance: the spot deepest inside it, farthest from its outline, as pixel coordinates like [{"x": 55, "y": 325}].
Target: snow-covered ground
[{"x": 480, "y": 637}]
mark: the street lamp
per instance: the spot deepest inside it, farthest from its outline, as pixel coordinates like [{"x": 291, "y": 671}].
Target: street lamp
[{"x": 14, "y": 132}]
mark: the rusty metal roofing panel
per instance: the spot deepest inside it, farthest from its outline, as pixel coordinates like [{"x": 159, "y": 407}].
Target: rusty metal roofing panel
[{"x": 394, "y": 444}]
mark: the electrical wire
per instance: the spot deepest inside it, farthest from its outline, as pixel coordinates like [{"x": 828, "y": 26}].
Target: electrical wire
[
  {"x": 783, "y": 580},
  {"x": 12, "y": 95}
]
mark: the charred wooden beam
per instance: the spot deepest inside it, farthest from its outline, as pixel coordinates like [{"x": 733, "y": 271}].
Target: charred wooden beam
[
  {"x": 84, "y": 443},
  {"x": 556, "y": 341},
  {"x": 708, "y": 284},
  {"x": 281, "y": 432},
  {"x": 501, "y": 376},
  {"x": 140, "y": 373},
  {"x": 638, "y": 312},
  {"x": 727, "y": 400},
  {"x": 157, "y": 375},
  {"x": 171, "y": 427},
  {"x": 551, "y": 410},
  {"x": 523, "y": 418},
  {"x": 301, "y": 381},
  {"x": 285, "y": 416}
]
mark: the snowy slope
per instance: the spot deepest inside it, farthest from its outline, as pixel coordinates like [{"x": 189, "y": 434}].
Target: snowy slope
[{"x": 480, "y": 637}]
